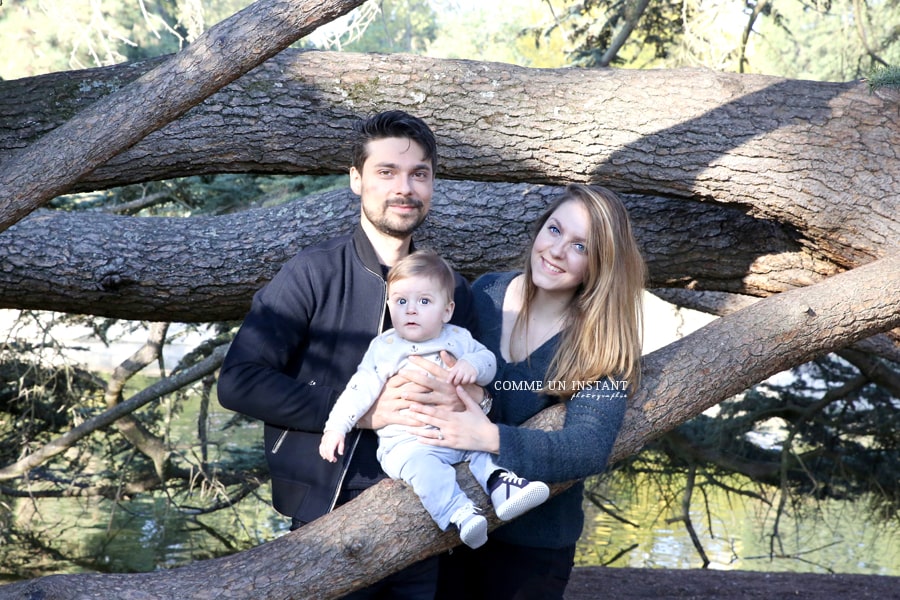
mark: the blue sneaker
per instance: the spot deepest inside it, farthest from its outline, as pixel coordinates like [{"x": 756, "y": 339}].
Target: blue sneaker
[
  {"x": 513, "y": 496},
  {"x": 472, "y": 526}
]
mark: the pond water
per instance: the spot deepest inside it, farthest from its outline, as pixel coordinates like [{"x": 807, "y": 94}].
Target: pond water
[
  {"x": 736, "y": 533},
  {"x": 148, "y": 534}
]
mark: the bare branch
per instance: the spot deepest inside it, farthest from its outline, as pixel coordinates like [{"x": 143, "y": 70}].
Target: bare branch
[
  {"x": 47, "y": 168},
  {"x": 149, "y": 394}
]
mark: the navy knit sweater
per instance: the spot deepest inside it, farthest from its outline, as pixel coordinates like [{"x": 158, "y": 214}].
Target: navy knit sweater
[{"x": 581, "y": 448}]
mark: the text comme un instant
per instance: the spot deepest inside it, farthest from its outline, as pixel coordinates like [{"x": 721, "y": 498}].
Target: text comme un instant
[{"x": 562, "y": 386}]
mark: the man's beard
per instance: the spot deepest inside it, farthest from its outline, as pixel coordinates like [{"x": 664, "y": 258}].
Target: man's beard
[{"x": 397, "y": 227}]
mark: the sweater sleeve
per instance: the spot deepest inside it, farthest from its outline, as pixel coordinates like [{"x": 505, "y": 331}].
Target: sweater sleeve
[
  {"x": 476, "y": 354},
  {"x": 360, "y": 394},
  {"x": 580, "y": 448}
]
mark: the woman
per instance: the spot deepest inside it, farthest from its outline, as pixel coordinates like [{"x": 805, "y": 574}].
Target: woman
[{"x": 565, "y": 330}]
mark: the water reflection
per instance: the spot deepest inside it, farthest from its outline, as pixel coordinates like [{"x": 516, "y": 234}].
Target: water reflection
[
  {"x": 71, "y": 534},
  {"x": 736, "y": 533}
]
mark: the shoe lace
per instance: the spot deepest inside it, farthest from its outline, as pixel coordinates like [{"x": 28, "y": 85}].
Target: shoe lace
[{"x": 511, "y": 479}]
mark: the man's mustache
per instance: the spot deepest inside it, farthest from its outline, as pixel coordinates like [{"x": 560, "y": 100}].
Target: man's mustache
[{"x": 406, "y": 202}]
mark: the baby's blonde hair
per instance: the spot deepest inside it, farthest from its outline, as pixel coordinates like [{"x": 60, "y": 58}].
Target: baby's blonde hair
[{"x": 424, "y": 263}]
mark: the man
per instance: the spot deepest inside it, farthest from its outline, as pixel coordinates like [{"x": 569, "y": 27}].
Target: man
[{"x": 308, "y": 329}]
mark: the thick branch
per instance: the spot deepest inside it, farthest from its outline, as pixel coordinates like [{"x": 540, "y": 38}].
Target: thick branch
[
  {"x": 689, "y": 134},
  {"x": 206, "y": 269},
  {"x": 386, "y": 528},
  {"x": 47, "y": 168}
]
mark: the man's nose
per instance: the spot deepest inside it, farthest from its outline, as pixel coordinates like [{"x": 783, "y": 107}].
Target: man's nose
[{"x": 403, "y": 186}]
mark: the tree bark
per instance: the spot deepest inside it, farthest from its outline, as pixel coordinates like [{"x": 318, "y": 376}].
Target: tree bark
[
  {"x": 819, "y": 158},
  {"x": 207, "y": 269},
  {"x": 51, "y": 165},
  {"x": 386, "y": 528}
]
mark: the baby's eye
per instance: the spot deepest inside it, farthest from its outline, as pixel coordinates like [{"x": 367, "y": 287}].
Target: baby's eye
[
  {"x": 401, "y": 301},
  {"x": 424, "y": 301}
]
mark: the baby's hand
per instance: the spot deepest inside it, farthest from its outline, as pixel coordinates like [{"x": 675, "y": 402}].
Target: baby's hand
[
  {"x": 331, "y": 441},
  {"x": 462, "y": 373}
]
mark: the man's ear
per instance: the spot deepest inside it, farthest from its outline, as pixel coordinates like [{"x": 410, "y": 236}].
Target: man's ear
[
  {"x": 355, "y": 181},
  {"x": 448, "y": 311}
]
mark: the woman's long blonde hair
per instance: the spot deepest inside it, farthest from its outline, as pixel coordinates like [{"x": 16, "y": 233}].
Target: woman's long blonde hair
[{"x": 602, "y": 335}]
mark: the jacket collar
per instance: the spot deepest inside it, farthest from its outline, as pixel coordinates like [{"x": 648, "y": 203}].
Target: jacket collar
[{"x": 366, "y": 251}]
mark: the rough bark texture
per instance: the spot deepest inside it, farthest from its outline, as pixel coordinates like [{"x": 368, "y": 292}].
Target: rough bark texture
[
  {"x": 753, "y": 174},
  {"x": 206, "y": 269},
  {"x": 820, "y": 158},
  {"x": 340, "y": 552},
  {"x": 51, "y": 165}
]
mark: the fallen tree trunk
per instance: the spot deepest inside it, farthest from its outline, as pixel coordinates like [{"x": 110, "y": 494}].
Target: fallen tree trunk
[
  {"x": 207, "y": 268},
  {"x": 682, "y": 134},
  {"x": 386, "y": 528}
]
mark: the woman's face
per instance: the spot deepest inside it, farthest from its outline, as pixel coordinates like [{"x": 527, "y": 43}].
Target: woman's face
[{"x": 559, "y": 253}]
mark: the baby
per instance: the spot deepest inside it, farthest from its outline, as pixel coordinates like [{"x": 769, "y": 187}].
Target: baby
[{"x": 420, "y": 300}]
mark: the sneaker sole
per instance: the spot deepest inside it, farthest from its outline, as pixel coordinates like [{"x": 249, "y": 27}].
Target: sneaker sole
[
  {"x": 474, "y": 532},
  {"x": 534, "y": 494}
]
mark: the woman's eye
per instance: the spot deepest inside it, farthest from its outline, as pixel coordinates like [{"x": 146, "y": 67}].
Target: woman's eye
[
  {"x": 580, "y": 248},
  {"x": 553, "y": 229}
]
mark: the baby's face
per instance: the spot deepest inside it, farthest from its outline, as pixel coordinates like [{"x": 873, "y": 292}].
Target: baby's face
[{"x": 419, "y": 308}]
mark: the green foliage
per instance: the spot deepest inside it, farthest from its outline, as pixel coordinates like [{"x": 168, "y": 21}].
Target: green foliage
[
  {"x": 389, "y": 26},
  {"x": 836, "y": 40},
  {"x": 884, "y": 77},
  {"x": 206, "y": 194},
  {"x": 822, "y": 431},
  {"x": 496, "y": 31}
]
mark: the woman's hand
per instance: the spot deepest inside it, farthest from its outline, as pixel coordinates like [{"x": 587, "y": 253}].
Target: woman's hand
[
  {"x": 426, "y": 384},
  {"x": 468, "y": 429}
]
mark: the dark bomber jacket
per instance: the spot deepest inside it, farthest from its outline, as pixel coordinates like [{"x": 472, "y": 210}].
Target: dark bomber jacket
[{"x": 297, "y": 348}]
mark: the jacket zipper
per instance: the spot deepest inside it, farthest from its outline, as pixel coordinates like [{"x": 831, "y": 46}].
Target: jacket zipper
[
  {"x": 277, "y": 445},
  {"x": 337, "y": 490}
]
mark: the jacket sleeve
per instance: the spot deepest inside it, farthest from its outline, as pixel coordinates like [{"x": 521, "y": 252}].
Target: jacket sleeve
[
  {"x": 360, "y": 394},
  {"x": 256, "y": 377},
  {"x": 581, "y": 448}
]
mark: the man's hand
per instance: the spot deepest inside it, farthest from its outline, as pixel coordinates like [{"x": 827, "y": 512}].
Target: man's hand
[{"x": 387, "y": 408}]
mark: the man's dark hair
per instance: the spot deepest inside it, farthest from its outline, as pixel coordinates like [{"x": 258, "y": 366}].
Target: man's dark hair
[{"x": 392, "y": 123}]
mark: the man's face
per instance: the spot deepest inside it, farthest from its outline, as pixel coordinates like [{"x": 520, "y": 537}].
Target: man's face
[{"x": 395, "y": 186}]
